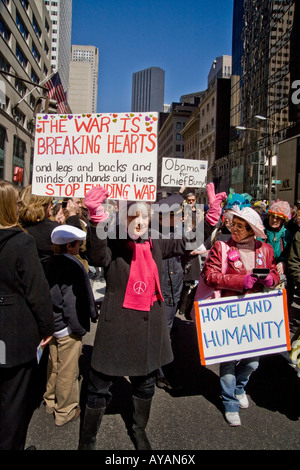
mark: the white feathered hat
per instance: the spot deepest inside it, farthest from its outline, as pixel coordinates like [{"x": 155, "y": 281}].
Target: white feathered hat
[{"x": 251, "y": 217}]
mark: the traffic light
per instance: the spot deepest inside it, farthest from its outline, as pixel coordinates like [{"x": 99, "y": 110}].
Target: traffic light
[{"x": 51, "y": 106}]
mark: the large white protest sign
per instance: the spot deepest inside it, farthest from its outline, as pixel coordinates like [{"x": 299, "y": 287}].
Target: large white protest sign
[
  {"x": 232, "y": 328},
  {"x": 75, "y": 152},
  {"x": 183, "y": 172}
]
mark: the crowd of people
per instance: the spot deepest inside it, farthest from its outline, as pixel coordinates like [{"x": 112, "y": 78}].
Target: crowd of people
[{"x": 50, "y": 247}]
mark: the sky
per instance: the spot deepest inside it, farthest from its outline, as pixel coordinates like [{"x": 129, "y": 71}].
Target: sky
[{"x": 182, "y": 37}]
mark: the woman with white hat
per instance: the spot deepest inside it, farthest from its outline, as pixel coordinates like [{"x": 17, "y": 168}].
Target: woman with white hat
[{"x": 244, "y": 253}]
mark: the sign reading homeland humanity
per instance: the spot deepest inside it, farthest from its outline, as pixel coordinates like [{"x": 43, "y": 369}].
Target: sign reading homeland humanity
[
  {"x": 75, "y": 152},
  {"x": 233, "y": 328},
  {"x": 183, "y": 172}
]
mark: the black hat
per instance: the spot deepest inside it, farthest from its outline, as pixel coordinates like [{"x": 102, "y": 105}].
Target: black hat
[{"x": 168, "y": 205}]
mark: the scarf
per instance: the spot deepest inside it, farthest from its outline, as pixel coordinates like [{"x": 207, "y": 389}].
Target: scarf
[
  {"x": 143, "y": 287},
  {"x": 246, "y": 249}
]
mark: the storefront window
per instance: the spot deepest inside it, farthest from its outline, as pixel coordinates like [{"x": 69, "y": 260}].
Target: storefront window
[
  {"x": 18, "y": 161},
  {"x": 2, "y": 149}
]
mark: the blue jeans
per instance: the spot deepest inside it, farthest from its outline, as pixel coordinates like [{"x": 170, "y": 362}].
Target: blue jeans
[{"x": 234, "y": 376}]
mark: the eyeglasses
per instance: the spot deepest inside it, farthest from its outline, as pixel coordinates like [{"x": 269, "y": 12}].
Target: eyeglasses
[
  {"x": 191, "y": 200},
  {"x": 237, "y": 227},
  {"x": 275, "y": 216}
]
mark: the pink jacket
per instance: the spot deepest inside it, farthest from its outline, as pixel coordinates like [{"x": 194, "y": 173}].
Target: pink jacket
[{"x": 231, "y": 283}]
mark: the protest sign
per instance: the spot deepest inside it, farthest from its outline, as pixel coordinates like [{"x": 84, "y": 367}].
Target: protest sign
[
  {"x": 183, "y": 172},
  {"x": 232, "y": 328},
  {"x": 75, "y": 152}
]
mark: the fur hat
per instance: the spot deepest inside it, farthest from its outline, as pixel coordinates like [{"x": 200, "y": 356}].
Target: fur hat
[
  {"x": 251, "y": 217},
  {"x": 281, "y": 208},
  {"x": 64, "y": 234}
]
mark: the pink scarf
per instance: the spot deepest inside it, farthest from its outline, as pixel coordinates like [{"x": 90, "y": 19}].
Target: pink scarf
[{"x": 143, "y": 286}]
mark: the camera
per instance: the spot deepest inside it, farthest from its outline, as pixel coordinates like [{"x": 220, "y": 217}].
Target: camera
[
  {"x": 260, "y": 272},
  {"x": 64, "y": 203}
]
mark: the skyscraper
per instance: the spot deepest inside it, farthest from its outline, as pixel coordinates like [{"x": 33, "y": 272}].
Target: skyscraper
[
  {"x": 83, "y": 81},
  {"x": 60, "y": 12},
  {"x": 148, "y": 88},
  {"x": 264, "y": 120},
  {"x": 24, "y": 64}
]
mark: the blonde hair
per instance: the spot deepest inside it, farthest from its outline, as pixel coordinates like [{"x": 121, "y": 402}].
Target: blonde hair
[
  {"x": 9, "y": 196},
  {"x": 33, "y": 208}
]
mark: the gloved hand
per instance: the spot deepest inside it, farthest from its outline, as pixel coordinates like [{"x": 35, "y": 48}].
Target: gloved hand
[
  {"x": 249, "y": 281},
  {"x": 267, "y": 281},
  {"x": 215, "y": 209},
  {"x": 93, "y": 202}
]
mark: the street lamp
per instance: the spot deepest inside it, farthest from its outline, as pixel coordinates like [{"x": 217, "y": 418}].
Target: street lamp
[
  {"x": 271, "y": 141},
  {"x": 243, "y": 128}
]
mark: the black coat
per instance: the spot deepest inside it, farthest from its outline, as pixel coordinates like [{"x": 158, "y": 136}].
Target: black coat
[
  {"x": 41, "y": 231},
  {"x": 130, "y": 342},
  {"x": 26, "y": 314},
  {"x": 71, "y": 293}
]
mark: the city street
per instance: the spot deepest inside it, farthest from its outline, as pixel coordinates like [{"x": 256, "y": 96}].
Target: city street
[{"x": 191, "y": 418}]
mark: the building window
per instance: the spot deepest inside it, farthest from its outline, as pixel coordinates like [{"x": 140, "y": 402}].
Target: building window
[
  {"x": 34, "y": 77},
  {"x": 20, "y": 87},
  {"x": 35, "y": 53},
  {"x": 25, "y": 4},
  {"x": 2, "y": 150},
  {"x": 21, "y": 57},
  {"x": 4, "y": 31},
  {"x": 19, "y": 150},
  {"x": 36, "y": 27},
  {"x": 19, "y": 116},
  {"x": 21, "y": 26}
]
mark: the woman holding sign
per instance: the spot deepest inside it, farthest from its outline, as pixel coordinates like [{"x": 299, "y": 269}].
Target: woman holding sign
[
  {"x": 132, "y": 337},
  {"x": 244, "y": 254}
]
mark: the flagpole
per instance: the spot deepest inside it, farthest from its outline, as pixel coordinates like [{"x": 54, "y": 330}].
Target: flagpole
[{"x": 42, "y": 82}]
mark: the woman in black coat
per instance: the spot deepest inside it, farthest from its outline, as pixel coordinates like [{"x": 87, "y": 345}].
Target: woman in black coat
[
  {"x": 26, "y": 319},
  {"x": 34, "y": 215},
  {"x": 132, "y": 337}
]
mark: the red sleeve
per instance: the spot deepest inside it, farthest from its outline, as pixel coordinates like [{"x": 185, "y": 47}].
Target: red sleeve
[{"x": 213, "y": 275}]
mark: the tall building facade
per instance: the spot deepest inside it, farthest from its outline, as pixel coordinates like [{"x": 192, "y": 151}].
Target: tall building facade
[
  {"x": 61, "y": 18},
  {"x": 265, "y": 70},
  {"x": 148, "y": 89},
  {"x": 83, "y": 81},
  {"x": 25, "y": 45}
]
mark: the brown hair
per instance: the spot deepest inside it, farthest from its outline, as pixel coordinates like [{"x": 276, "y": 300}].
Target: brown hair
[
  {"x": 33, "y": 208},
  {"x": 61, "y": 249},
  {"x": 9, "y": 196}
]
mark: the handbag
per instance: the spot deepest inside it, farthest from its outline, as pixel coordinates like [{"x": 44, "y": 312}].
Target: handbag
[{"x": 205, "y": 292}]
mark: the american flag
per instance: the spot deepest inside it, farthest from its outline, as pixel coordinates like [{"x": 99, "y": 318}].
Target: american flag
[{"x": 56, "y": 92}]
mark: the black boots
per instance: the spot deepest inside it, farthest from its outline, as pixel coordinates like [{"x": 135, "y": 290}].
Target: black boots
[
  {"x": 90, "y": 427},
  {"x": 141, "y": 412},
  {"x": 93, "y": 417}
]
